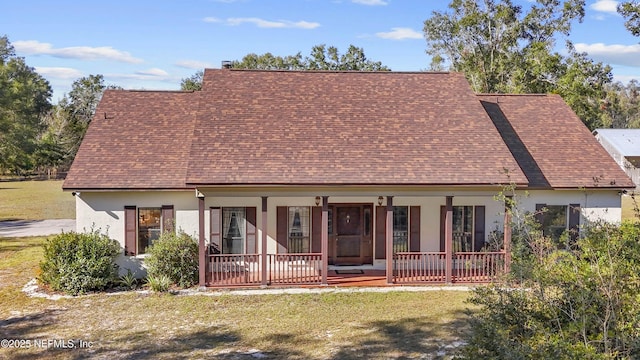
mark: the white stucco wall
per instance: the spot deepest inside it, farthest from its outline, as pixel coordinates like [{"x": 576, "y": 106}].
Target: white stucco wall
[{"x": 105, "y": 210}]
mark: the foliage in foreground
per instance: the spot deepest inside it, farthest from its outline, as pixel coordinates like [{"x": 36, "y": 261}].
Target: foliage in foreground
[
  {"x": 577, "y": 303},
  {"x": 76, "y": 263},
  {"x": 174, "y": 256}
]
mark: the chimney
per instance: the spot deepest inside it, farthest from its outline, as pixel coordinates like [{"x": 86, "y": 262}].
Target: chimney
[{"x": 226, "y": 64}]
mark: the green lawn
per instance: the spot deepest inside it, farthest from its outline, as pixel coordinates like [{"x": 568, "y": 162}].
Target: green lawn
[
  {"x": 308, "y": 326},
  {"x": 35, "y": 200}
]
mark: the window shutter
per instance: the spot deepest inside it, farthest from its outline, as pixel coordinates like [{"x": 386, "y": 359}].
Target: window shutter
[
  {"x": 168, "y": 222},
  {"x": 574, "y": 221},
  {"x": 252, "y": 245},
  {"x": 216, "y": 229},
  {"x": 443, "y": 216},
  {"x": 381, "y": 233},
  {"x": 316, "y": 229},
  {"x": 130, "y": 224},
  {"x": 282, "y": 214},
  {"x": 414, "y": 228},
  {"x": 479, "y": 227}
]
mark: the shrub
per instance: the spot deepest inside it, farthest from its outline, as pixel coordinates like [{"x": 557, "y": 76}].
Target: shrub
[
  {"x": 128, "y": 281},
  {"x": 76, "y": 263},
  {"x": 176, "y": 257},
  {"x": 159, "y": 283}
]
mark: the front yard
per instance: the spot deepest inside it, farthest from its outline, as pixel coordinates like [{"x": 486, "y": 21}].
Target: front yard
[{"x": 146, "y": 325}]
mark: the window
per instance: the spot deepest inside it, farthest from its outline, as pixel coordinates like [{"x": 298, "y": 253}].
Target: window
[
  {"x": 233, "y": 230},
  {"x": 463, "y": 229},
  {"x": 149, "y": 227},
  {"x": 468, "y": 228},
  {"x": 298, "y": 239},
  {"x": 143, "y": 226},
  {"x": 554, "y": 221},
  {"x": 400, "y": 229}
]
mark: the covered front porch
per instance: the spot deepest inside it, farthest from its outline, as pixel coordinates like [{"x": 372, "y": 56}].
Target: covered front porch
[{"x": 345, "y": 243}]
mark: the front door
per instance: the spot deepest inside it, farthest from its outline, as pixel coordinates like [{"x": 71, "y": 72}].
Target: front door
[{"x": 352, "y": 240}]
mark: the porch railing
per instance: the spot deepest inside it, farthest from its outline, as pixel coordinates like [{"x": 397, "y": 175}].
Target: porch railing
[
  {"x": 478, "y": 266},
  {"x": 430, "y": 267},
  {"x": 246, "y": 269},
  {"x": 417, "y": 267},
  {"x": 300, "y": 268},
  {"x": 234, "y": 269}
]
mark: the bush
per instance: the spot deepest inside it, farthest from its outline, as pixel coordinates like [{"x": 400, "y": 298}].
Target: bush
[
  {"x": 159, "y": 283},
  {"x": 582, "y": 303},
  {"x": 76, "y": 263},
  {"x": 176, "y": 257}
]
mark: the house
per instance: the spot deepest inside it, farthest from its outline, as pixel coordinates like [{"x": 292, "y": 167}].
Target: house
[
  {"x": 286, "y": 176},
  {"x": 624, "y": 146}
]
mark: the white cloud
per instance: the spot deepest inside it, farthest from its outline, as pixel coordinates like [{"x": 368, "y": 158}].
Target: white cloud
[
  {"x": 400, "y": 34},
  {"x": 33, "y": 47},
  {"x": 193, "y": 64},
  {"x": 280, "y": 24},
  {"x": 153, "y": 72},
  {"x": 628, "y": 55},
  {"x": 370, "y": 2},
  {"x": 626, "y": 78},
  {"x": 58, "y": 72},
  {"x": 607, "y": 6}
]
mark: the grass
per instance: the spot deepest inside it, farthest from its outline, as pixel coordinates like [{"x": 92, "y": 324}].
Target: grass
[
  {"x": 628, "y": 208},
  {"x": 35, "y": 200},
  {"x": 309, "y": 326}
]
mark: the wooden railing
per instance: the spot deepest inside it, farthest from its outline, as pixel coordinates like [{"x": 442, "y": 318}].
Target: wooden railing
[
  {"x": 430, "y": 267},
  {"x": 234, "y": 269},
  {"x": 477, "y": 266},
  {"x": 245, "y": 269},
  {"x": 419, "y": 267},
  {"x": 301, "y": 268}
]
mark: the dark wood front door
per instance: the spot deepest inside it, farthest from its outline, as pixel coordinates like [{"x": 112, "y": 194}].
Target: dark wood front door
[{"x": 351, "y": 242}]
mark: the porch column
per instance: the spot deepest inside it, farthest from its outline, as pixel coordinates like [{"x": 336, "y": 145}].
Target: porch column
[
  {"x": 263, "y": 246},
  {"x": 507, "y": 233},
  {"x": 324, "y": 238},
  {"x": 202, "y": 261},
  {"x": 448, "y": 240},
  {"x": 389, "y": 239}
]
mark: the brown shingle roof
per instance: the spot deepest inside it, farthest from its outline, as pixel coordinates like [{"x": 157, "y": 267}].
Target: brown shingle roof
[
  {"x": 271, "y": 127},
  {"x": 551, "y": 143},
  {"x": 331, "y": 128},
  {"x": 137, "y": 139}
]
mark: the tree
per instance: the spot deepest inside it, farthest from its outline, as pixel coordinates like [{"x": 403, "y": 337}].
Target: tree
[
  {"x": 70, "y": 119},
  {"x": 320, "y": 58},
  {"x": 622, "y": 105},
  {"x": 192, "y": 83},
  {"x": 24, "y": 100},
  {"x": 630, "y": 11},
  {"x": 504, "y": 48},
  {"x": 579, "y": 302}
]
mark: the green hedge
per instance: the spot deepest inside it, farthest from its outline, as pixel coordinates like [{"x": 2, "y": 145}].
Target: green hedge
[
  {"x": 76, "y": 263},
  {"x": 174, "y": 256}
]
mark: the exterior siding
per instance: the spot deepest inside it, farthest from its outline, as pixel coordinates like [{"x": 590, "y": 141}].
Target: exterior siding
[{"x": 105, "y": 211}]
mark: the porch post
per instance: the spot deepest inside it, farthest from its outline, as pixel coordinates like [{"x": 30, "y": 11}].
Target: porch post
[
  {"x": 389, "y": 239},
  {"x": 263, "y": 246},
  {"x": 507, "y": 233},
  {"x": 202, "y": 263},
  {"x": 325, "y": 239},
  {"x": 448, "y": 240}
]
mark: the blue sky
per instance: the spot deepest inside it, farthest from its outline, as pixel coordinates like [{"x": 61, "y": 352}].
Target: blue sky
[{"x": 153, "y": 44}]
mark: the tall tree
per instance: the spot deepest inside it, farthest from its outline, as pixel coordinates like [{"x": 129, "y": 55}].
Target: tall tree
[
  {"x": 192, "y": 83},
  {"x": 630, "y": 10},
  {"x": 502, "y": 47},
  {"x": 74, "y": 112},
  {"x": 24, "y": 100},
  {"x": 320, "y": 58}
]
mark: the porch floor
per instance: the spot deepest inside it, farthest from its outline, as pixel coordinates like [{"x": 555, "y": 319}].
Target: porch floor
[{"x": 345, "y": 278}]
